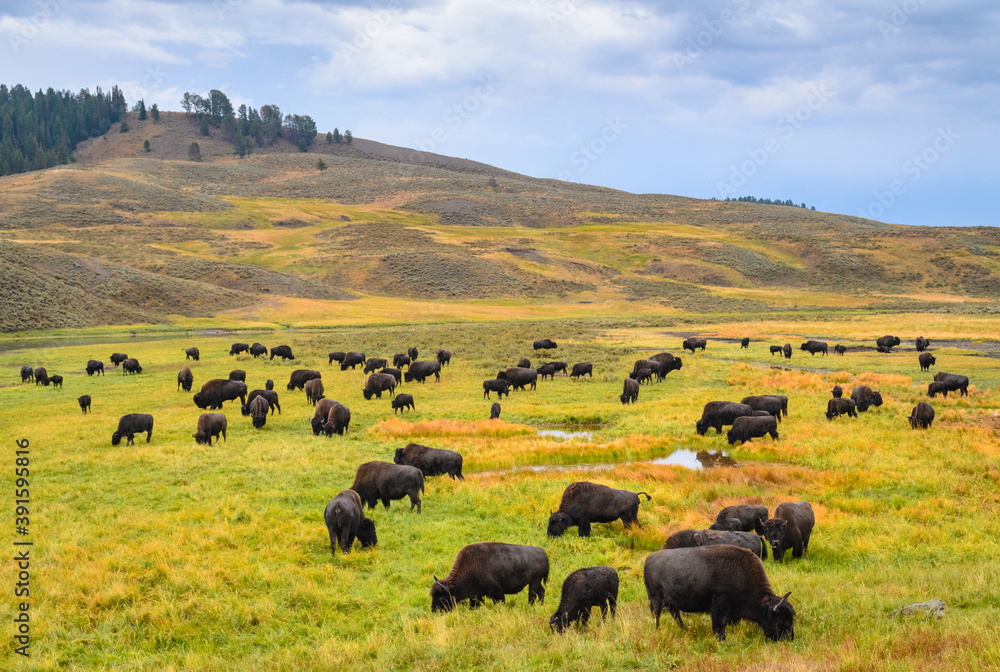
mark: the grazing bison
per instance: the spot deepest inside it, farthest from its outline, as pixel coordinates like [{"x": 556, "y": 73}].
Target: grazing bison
[
  {"x": 400, "y": 359},
  {"x": 642, "y": 375},
  {"x": 272, "y": 401},
  {"x": 728, "y": 583},
  {"x": 239, "y": 348},
  {"x": 283, "y": 351},
  {"x": 444, "y": 357},
  {"x": 185, "y": 379},
  {"x": 314, "y": 390},
  {"x": 693, "y": 344},
  {"x": 581, "y": 369},
  {"x": 192, "y": 353},
  {"x": 374, "y": 364},
  {"x": 431, "y": 461},
  {"x": 495, "y": 411},
  {"x": 864, "y": 398},
  {"x": 345, "y": 522},
  {"x": 630, "y": 391},
  {"x": 338, "y": 419},
  {"x": 583, "y": 590},
  {"x": 837, "y": 392},
  {"x": 727, "y": 525},
  {"x": 927, "y": 360},
  {"x": 420, "y": 371},
  {"x": 776, "y": 350},
  {"x": 752, "y": 516},
  {"x": 765, "y": 402},
  {"x": 299, "y": 378},
  {"x": 56, "y": 380},
  {"x": 130, "y": 425},
  {"x": 402, "y": 402},
  {"x": 791, "y": 528},
  {"x": 337, "y": 357},
  {"x": 839, "y": 349},
  {"x": 524, "y": 363},
  {"x": 720, "y": 413},
  {"x": 93, "y": 366},
  {"x": 745, "y": 343},
  {"x": 546, "y": 370},
  {"x": 753, "y": 427},
  {"x": 41, "y": 376},
  {"x": 268, "y": 384},
  {"x": 258, "y": 412},
  {"x": 498, "y": 385},
  {"x": 943, "y": 383},
  {"x": 412, "y": 353},
  {"x": 922, "y": 344},
  {"x": 544, "y": 344},
  {"x": 216, "y": 391},
  {"x": 584, "y": 503},
  {"x": 210, "y": 425},
  {"x": 258, "y": 350},
  {"x": 84, "y": 402},
  {"x": 378, "y": 383},
  {"x": 238, "y": 374},
  {"x": 386, "y": 481},
  {"x": 557, "y": 366},
  {"x": 692, "y": 538},
  {"x": 494, "y": 570},
  {"x": 922, "y": 416},
  {"x": 886, "y": 343},
  {"x": 131, "y": 365},
  {"x": 838, "y": 406},
  {"x": 395, "y": 373},
  {"x": 28, "y": 373},
  {"x": 518, "y": 377},
  {"x": 787, "y": 350},
  {"x": 117, "y": 358},
  {"x": 812, "y": 347}
]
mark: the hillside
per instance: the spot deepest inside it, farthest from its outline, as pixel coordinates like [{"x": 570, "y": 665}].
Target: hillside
[{"x": 384, "y": 221}]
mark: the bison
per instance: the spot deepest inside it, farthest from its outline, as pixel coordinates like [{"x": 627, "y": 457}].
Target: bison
[
  {"x": 498, "y": 385},
  {"x": 431, "y": 461},
  {"x": 378, "y": 383},
  {"x": 299, "y": 378},
  {"x": 238, "y": 374},
  {"x": 557, "y": 366},
  {"x": 787, "y": 350},
  {"x": 776, "y": 350},
  {"x": 583, "y": 590},
  {"x": 886, "y": 343},
  {"x": 630, "y": 391},
  {"x": 667, "y": 363},
  {"x": 544, "y": 344},
  {"x": 584, "y": 503},
  {"x": 719, "y": 413},
  {"x": 812, "y": 347},
  {"x": 84, "y": 402},
  {"x": 28, "y": 373},
  {"x": 239, "y": 348},
  {"x": 838, "y": 406},
  {"x": 518, "y": 377},
  {"x": 345, "y": 521},
  {"x": 131, "y": 365},
  {"x": 943, "y": 384},
  {"x": 395, "y": 373},
  {"x": 117, "y": 358},
  {"x": 753, "y": 427},
  {"x": 922, "y": 344},
  {"x": 837, "y": 392},
  {"x": 385, "y": 481},
  {"x": 192, "y": 353},
  {"x": 745, "y": 343},
  {"x": 581, "y": 369},
  {"x": 692, "y": 538},
  {"x": 258, "y": 412},
  {"x": 727, "y": 525},
  {"x": 765, "y": 402},
  {"x": 420, "y": 371},
  {"x": 338, "y": 419},
  {"x": 922, "y": 416},
  {"x": 752, "y": 516},
  {"x": 494, "y": 570},
  {"x": 524, "y": 363},
  {"x": 412, "y": 353},
  {"x": 444, "y": 357},
  {"x": 314, "y": 390},
  {"x": 272, "y": 401},
  {"x": 268, "y": 384},
  {"x": 258, "y": 350},
  {"x": 93, "y": 366},
  {"x": 546, "y": 370},
  {"x": 185, "y": 379},
  {"x": 791, "y": 528},
  {"x": 727, "y": 582},
  {"x": 56, "y": 380},
  {"x": 337, "y": 357},
  {"x": 495, "y": 411},
  {"x": 216, "y": 391},
  {"x": 693, "y": 344},
  {"x": 282, "y": 351},
  {"x": 402, "y": 402},
  {"x": 374, "y": 364},
  {"x": 130, "y": 425},
  {"x": 927, "y": 360},
  {"x": 210, "y": 425},
  {"x": 839, "y": 349},
  {"x": 864, "y": 398},
  {"x": 400, "y": 359}
]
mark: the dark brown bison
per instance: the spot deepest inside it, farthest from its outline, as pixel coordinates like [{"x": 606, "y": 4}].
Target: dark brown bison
[
  {"x": 117, "y": 358},
  {"x": 239, "y": 348},
  {"x": 299, "y": 378},
  {"x": 84, "y": 402},
  {"x": 583, "y": 590},
  {"x": 524, "y": 363},
  {"x": 495, "y": 411},
  {"x": 584, "y": 503},
  {"x": 431, "y": 461},
  {"x": 693, "y": 344},
  {"x": 776, "y": 350},
  {"x": 314, "y": 390},
  {"x": 864, "y": 398},
  {"x": 258, "y": 412},
  {"x": 216, "y": 391},
  {"x": 272, "y": 401},
  {"x": 717, "y": 414},
  {"x": 786, "y": 349},
  {"x": 210, "y": 425},
  {"x": 56, "y": 380},
  {"x": 838, "y": 406},
  {"x": 400, "y": 359},
  {"x": 692, "y": 538},
  {"x": 337, "y": 357},
  {"x": 185, "y": 379},
  {"x": 412, "y": 353},
  {"x": 812, "y": 347},
  {"x": 378, "y": 383},
  {"x": 258, "y": 350},
  {"x": 927, "y": 360},
  {"x": 345, "y": 521},
  {"x": 238, "y": 374},
  {"x": 886, "y": 343},
  {"x": 922, "y": 416},
  {"x": 93, "y": 366},
  {"x": 630, "y": 391},
  {"x": 642, "y": 375},
  {"x": 444, "y": 357},
  {"x": 943, "y": 384},
  {"x": 837, "y": 392},
  {"x": 727, "y": 582},
  {"x": 518, "y": 377},
  {"x": 546, "y": 370},
  {"x": 268, "y": 384},
  {"x": 922, "y": 344},
  {"x": 395, "y": 373},
  {"x": 667, "y": 362},
  {"x": 130, "y": 425},
  {"x": 764, "y": 402},
  {"x": 791, "y": 528},
  {"x": 751, "y": 516},
  {"x": 581, "y": 369},
  {"x": 557, "y": 366},
  {"x": 754, "y": 427},
  {"x": 494, "y": 570},
  {"x": 402, "y": 402},
  {"x": 27, "y": 373},
  {"x": 498, "y": 385},
  {"x": 337, "y": 420},
  {"x": 386, "y": 481},
  {"x": 421, "y": 371},
  {"x": 131, "y": 365},
  {"x": 544, "y": 344},
  {"x": 282, "y": 351},
  {"x": 745, "y": 343},
  {"x": 374, "y": 364},
  {"x": 839, "y": 349},
  {"x": 192, "y": 353}
]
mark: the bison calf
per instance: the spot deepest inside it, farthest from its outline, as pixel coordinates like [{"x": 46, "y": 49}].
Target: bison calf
[
  {"x": 583, "y": 590},
  {"x": 345, "y": 522},
  {"x": 401, "y": 402},
  {"x": 84, "y": 402}
]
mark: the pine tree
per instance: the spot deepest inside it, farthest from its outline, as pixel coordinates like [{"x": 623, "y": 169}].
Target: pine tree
[
  {"x": 348, "y": 137},
  {"x": 142, "y": 110},
  {"x": 194, "y": 152},
  {"x": 155, "y": 111},
  {"x": 329, "y": 138},
  {"x": 145, "y": 145},
  {"x": 337, "y": 137},
  {"x": 123, "y": 128},
  {"x": 203, "y": 124},
  {"x": 321, "y": 164}
]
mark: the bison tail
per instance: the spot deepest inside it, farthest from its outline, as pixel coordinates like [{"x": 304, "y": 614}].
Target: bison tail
[{"x": 648, "y": 498}]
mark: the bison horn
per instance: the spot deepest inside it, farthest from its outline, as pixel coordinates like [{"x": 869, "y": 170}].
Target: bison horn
[{"x": 783, "y": 600}]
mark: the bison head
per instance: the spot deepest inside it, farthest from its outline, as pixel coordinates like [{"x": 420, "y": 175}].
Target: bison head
[
  {"x": 441, "y": 597},
  {"x": 558, "y": 522},
  {"x": 559, "y": 621},
  {"x": 116, "y": 438},
  {"x": 368, "y": 393},
  {"x": 728, "y": 524},
  {"x": 200, "y": 401},
  {"x": 624, "y": 398},
  {"x": 245, "y": 409},
  {"x": 317, "y": 424},
  {"x": 701, "y": 427},
  {"x": 366, "y": 533},
  {"x": 407, "y": 377},
  {"x": 400, "y": 457},
  {"x": 778, "y": 619},
  {"x": 877, "y": 399},
  {"x": 774, "y": 532},
  {"x": 200, "y": 438}
]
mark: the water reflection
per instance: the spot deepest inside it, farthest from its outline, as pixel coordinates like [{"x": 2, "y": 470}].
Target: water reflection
[{"x": 682, "y": 457}]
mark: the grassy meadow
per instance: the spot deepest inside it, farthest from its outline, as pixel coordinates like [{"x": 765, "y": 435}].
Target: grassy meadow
[{"x": 175, "y": 556}]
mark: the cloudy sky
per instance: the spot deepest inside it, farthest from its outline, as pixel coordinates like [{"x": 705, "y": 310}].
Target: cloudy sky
[{"x": 883, "y": 108}]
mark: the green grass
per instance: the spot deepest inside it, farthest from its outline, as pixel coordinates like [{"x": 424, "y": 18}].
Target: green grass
[{"x": 178, "y": 556}]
